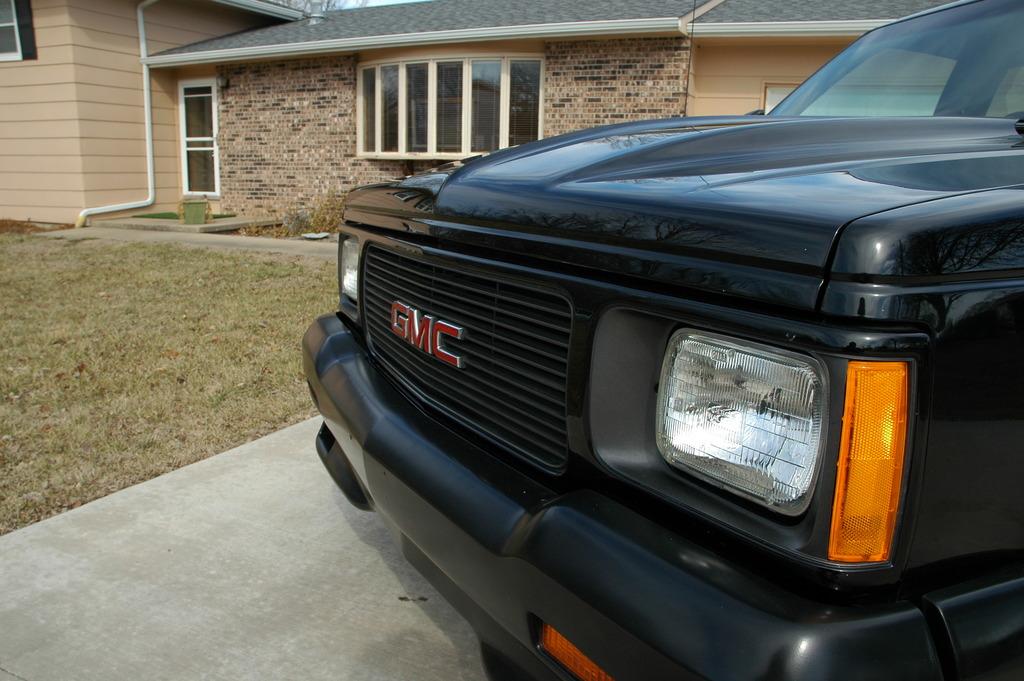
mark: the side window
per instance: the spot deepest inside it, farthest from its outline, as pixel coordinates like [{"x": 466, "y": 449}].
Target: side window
[
  {"x": 17, "y": 36},
  {"x": 892, "y": 82},
  {"x": 10, "y": 44},
  {"x": 1009, "y": 98}
]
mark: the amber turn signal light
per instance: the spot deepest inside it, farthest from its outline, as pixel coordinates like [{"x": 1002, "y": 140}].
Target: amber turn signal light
[
  {"x": 870, "y": 473},
  {"x": 569, "y": 656}
]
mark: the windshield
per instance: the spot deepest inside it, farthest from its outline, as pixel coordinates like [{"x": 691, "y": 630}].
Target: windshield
[{"x": 967, "y": 60}]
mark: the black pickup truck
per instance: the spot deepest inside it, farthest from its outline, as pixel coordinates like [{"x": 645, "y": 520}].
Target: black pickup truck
[{"x": 712, "y": 398}]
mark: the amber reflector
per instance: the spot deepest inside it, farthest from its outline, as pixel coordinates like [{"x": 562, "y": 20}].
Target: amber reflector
[
  {"x": 570, "y": 657},
  {"x": 870, "y": 471}
]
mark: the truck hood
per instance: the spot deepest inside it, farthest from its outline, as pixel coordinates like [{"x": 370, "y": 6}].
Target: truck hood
[{"x": 747, "y": 206}]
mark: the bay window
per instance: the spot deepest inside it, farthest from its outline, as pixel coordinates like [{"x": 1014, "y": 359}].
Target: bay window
[{"x": 448, "y": 107}]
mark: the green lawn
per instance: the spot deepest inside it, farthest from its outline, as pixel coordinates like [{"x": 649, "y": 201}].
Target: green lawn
[{"x": 119, "y": 362}]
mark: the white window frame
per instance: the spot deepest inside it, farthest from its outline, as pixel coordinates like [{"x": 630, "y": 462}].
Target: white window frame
[
  {"x": 467, "y": 85},
  {"x": 183, "y": 145},
  {"x": 16, "y": 55}
]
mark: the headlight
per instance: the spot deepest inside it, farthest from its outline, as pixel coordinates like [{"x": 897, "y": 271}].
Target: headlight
[
  {"x": 349, "y": 265},
  {"x": 742, "y": 417}
]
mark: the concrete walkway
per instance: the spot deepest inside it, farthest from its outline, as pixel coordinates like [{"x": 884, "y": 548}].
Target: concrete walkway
[
  {"x": 248, "y": 565},
  {"x": 302, "y": 247},
  {"x": 161, "y": 225}
]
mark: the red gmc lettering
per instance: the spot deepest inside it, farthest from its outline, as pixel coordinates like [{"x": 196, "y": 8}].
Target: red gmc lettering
[
  {"x": 418, "y": 331},
  {"x": 425, "y": 333},
  {"x": 446, "y": 329},
  {"x": 399, "y": 319}
]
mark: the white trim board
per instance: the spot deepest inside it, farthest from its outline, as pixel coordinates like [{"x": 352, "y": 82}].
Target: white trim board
[
  {"x": 786, "y": 28},
  {"x": 269, "y": 9}
]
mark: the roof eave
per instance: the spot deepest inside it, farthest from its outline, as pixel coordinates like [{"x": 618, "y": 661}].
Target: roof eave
[
  {"x": 265, "y": 8},
  {"x": 579, "y": 29},
  {"x": 768, "y": 29},
  {"x": 576, "y": 29}
]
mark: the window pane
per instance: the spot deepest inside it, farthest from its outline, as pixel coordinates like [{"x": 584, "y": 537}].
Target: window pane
[
  {"x": 199, "y": 117},
  {"x": 200, "y": 171},
  {"x": 486, "y": 105},
  {"x": 524, "y": 102},
  {"x": 369, "y": 109},
  {"x": 416, "y": 107},
  {"x": 8, "y": 42},
  {"x": 6, "y": 12},
  {"x": 199, "y": 90},
  {"x": 449, "y": 106},
  {"x": 389, "y": 102}
]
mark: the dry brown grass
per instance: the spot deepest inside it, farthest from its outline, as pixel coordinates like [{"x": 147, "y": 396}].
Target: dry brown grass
[
  {"x": 22, "y": 227},
  {"x": 119, "y": 362},
  {"x": 272, "y": 231}
]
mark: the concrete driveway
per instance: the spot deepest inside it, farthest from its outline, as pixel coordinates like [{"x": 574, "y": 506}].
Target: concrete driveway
[{"x": 248, "y": 565}]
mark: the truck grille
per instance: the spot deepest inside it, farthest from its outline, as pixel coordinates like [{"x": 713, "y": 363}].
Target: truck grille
[{"x": 511, "y": 389}]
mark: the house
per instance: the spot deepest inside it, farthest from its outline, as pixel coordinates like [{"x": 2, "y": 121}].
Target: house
[
  {"x": 73, "y": 114},
  {"x": 115, "y": 107}
]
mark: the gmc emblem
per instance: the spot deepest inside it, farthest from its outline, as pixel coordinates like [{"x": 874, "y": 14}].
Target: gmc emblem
[{"x": 423, "y": 332}]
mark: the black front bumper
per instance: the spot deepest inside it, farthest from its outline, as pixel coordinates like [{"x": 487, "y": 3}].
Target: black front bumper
[{"x": 643, "y": 602}]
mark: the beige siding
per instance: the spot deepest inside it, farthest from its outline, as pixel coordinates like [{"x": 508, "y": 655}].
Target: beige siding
[
  {"x": 110, "y": 93},
  {"x": 72, "y": 131},
  {"x": 40, "y": 163},
  {"x": 729, "y": 76}
]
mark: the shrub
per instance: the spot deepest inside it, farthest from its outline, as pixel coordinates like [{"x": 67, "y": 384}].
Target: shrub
[
  {"x": 327, "y": 212},
  {"x": 295, "y": 222}
]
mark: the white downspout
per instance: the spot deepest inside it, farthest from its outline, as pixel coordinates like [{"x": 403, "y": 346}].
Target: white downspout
[{"x": 147, "y": 98}]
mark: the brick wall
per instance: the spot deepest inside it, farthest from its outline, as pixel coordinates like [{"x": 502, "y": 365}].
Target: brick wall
[
  {"x": 596, "y": 82},
  {"x": 288, "y": 135},
  {"x": 288, "y": 129}
]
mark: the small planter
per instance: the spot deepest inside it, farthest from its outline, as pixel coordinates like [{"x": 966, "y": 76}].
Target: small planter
[{"x": 195, "y": 211}]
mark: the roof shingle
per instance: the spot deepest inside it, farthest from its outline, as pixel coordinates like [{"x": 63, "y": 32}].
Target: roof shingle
[
  {"x": 445, "y": 15},
  {"x": 759, "y": 11}
]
